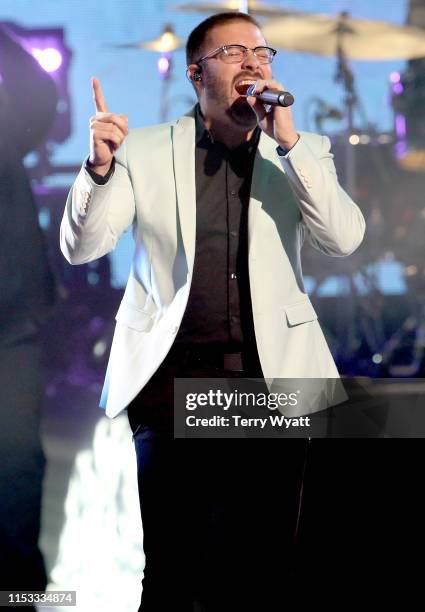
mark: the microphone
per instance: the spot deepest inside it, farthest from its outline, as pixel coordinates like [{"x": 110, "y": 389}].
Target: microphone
[{"x": 272, "y": 97}]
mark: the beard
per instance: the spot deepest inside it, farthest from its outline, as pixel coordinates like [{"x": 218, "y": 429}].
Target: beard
[
  {"x": 239, "y": 112},
  {"x": 242, "y": 114}
]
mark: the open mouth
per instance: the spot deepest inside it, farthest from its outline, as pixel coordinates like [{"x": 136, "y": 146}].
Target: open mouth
[{"x": 243, "y": 86}]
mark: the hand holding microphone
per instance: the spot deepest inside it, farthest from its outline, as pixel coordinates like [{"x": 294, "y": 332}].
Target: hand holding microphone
[{"x": 277, "y": 121}]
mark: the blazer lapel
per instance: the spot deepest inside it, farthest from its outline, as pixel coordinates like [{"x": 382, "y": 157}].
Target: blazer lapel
[
  {"x": 262, "y": 165},
  {"x": 183, "y": 141}
]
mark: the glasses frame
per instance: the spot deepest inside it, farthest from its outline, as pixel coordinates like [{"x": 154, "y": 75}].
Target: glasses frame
[{"x": 246, "y": 49}]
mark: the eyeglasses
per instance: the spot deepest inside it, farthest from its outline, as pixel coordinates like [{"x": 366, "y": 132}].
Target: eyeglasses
[{"x": 233, "y": 54}]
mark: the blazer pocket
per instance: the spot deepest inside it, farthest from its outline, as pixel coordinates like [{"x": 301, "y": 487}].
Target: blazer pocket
[
  {"x": 134, "y": 318},
  {"x": 302, "y": 312}
]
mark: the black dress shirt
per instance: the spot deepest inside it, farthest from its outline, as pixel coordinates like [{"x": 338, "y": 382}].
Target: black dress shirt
[{"x": 219, "y": 309}]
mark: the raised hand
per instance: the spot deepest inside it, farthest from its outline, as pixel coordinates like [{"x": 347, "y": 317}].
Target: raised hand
[{"x": 107, "y": 132}]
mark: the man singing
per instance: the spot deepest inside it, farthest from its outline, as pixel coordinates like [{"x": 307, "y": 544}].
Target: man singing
[{"x": 220, "y": 202}]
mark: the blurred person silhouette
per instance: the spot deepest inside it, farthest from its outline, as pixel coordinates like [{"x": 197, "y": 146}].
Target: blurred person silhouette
[{"x": 28, "y": 101}]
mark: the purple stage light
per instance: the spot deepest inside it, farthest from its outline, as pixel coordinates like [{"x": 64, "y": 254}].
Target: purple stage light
[
  {"x": 48, "y": 47},
  {"x": 163, "y": 65},
  {"x": 400, "y": 149},
  {"x": 398, "y": 88},
  {"x": 50, "y": 59},
  {"x": 400, "y": 126}
]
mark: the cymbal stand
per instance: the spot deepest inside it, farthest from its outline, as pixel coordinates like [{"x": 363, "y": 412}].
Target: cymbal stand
[{"x": 345, "y": 76}]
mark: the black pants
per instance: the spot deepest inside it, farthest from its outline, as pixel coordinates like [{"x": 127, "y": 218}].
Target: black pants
[
  {"x": 218, "y": 515},
  {"x": 21, "y": 468}
]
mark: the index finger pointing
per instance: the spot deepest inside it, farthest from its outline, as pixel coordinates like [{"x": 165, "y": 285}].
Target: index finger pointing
[{"x": 98, "y": 97}]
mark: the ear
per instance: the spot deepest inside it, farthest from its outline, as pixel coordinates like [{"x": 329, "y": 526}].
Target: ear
[{"x": 194, "y": 75}]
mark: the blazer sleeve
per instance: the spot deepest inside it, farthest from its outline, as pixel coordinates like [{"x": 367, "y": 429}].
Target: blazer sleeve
[
  {"x": 96, "y": 215},
  {"x": 332, "y": 222}
]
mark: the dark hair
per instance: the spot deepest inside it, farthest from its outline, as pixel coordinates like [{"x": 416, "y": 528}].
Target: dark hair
[{"x": 198, "y": 35}]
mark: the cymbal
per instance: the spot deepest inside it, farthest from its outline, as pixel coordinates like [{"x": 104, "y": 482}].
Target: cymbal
[
  {"x": 360, "y": 39},
  {"x": 165, "y": 43},
  {"x": 254, "y": 7}
]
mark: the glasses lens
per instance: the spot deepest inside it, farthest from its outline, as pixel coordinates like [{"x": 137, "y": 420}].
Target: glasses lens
[
  {"x": 264, "y": 54},
  {"x": 233, "y": 53}
]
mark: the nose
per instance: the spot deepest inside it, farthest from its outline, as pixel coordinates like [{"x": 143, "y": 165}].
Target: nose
[{"x": 250, "y": 60}]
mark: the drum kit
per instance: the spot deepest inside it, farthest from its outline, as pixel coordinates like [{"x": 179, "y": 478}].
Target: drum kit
[{"x": 341, "y": 36}]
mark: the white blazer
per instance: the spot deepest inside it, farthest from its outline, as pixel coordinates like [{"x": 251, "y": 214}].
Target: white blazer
[{"x": 153, "y": 189}]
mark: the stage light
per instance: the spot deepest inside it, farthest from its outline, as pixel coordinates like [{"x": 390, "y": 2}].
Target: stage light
[
  {"x": 49, "y": 59},
  {"x": 164, "y": 65},
  {"x": 49, "y": 48},
  {"x": 410, "y": 270},
  {"x": 398, "y": 88},
  {"x": 100, "y": 548},
  {"x": 168, "y": 40},
  {"x": 100, "y": 348},
  {"x": 44, "y": 218},
  {"x": 400, "y": 126}
]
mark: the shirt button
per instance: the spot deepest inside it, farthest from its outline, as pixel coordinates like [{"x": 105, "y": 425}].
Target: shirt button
[
  {"x": 233, "y": 233},
  {"x": 233, "y": 192},
  {"x": 233, "y": 276},
  {"x": 233, "y": 319}
]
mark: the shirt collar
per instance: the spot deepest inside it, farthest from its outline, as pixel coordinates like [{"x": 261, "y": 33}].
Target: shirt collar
[{"x": 201, "y": 130}]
